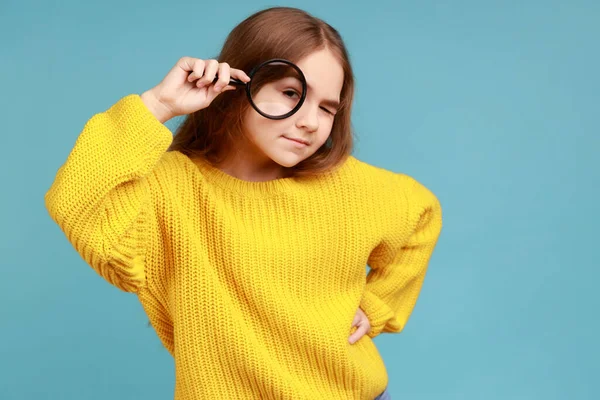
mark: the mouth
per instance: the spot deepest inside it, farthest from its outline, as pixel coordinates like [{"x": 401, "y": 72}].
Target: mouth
[{"x": 299, "y": 141}]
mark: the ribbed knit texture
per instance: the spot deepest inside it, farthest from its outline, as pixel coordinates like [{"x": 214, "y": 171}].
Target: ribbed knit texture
[{"x": 251, "y": 286}]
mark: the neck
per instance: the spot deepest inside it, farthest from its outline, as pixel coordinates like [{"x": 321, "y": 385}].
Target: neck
[{"x": 252, "y": 166}]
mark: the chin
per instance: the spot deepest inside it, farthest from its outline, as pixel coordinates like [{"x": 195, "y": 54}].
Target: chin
[
  {"x": 288, "y": 164},
  {"x": 287, "y": 160}
]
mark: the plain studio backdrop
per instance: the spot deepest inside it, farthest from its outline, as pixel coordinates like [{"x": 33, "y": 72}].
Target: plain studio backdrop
[{"x": 493, "y": 105}]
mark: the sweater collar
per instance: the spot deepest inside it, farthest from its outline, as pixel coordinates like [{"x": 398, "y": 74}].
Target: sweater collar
[
  {"x": 243, "y": 187},
  {"x": 230, "y": 183}
]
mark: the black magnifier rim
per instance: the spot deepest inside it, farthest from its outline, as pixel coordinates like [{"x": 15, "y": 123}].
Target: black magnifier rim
[{"x": 302, "y": 96}]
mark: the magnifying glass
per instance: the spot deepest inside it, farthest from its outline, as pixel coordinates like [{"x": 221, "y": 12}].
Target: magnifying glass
[{"x": 277, "y": 88}]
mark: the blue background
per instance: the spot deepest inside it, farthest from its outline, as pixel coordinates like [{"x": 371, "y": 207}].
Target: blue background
[{"x": 493, "y": 105}]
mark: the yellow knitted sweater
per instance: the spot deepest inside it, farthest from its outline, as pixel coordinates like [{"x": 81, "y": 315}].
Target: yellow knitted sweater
[{"x": 251, "y": 286}]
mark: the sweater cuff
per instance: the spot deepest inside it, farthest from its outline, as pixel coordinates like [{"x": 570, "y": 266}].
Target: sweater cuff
[{"x": 377, "y": 311}]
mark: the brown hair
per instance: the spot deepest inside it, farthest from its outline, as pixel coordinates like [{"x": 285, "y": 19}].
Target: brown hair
[{"x": 277, "y": 32}]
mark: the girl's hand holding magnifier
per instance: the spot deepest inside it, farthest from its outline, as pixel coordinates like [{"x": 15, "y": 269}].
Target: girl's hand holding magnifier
[{"x": 190, "y": 86}]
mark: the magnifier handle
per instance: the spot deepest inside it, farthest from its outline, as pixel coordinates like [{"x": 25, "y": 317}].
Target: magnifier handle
[{"x": 232, "y": 81}]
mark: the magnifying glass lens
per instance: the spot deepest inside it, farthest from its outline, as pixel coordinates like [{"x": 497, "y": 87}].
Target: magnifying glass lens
[{"x": 276, "y": 89}]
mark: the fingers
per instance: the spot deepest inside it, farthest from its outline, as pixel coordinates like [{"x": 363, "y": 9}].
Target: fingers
[
  {"x": 197, "y": 69},
  {"x": 236, "y": 74},
  {"x": 361, "y": 330},
  {"x": 224, "y": 74},
  {"x": 357, "y": 319},
  {"x": 239, "y": 74},
  {"x": 210, "y": 70},
  {"x": 361, "y": 321},
  {"x": 228, "y": 87}
]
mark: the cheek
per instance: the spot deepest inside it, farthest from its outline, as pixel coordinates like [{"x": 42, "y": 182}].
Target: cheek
[
  {"x": 259, "y": 128},
  {"x": 324, "y": 131}
]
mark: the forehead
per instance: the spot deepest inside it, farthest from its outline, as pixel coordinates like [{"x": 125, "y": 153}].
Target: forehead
[{"x": 324, "y": 74}]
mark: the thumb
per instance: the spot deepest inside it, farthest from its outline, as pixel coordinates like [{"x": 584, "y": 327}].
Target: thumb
[
  {"x": 356, "y": 320},
  {"x": 211, "y": 93}
]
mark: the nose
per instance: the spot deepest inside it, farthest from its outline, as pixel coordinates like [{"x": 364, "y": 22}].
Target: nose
[{"x": 308, "y": 117}]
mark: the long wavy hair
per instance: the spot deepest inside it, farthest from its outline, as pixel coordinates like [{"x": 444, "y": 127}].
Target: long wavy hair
[{"x": 277, "y": 32}]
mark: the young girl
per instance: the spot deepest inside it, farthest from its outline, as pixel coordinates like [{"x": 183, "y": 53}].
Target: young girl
[{"x": 246, "y": 238}]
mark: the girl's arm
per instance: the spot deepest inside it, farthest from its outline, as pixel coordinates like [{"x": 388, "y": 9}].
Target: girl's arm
[
  {"x": 399, "y": 263},
  {"x": 100, "y": 197}
]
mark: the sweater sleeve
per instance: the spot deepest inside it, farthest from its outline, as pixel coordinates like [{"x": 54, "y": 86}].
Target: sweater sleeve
[
  {"x": 399, "y": 263},
  {"x": 100, "y": 197}
]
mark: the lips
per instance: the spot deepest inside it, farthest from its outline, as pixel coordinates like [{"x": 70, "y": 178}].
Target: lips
[{"x": 301, "y": 141}]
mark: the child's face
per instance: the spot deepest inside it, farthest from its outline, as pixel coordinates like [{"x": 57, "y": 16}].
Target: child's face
[{"x": 312, "y": 123}]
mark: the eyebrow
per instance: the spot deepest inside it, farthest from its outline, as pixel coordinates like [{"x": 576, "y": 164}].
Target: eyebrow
[{"x": 328, "y": 102}]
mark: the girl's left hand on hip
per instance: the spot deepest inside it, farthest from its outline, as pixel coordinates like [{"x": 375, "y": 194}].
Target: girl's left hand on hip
[{"x": 362, "y": 323}]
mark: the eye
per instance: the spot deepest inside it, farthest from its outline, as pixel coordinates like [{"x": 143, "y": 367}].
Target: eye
[
  {"x": 290, "y": 93},
  {"x": 327, "y": 111}
]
